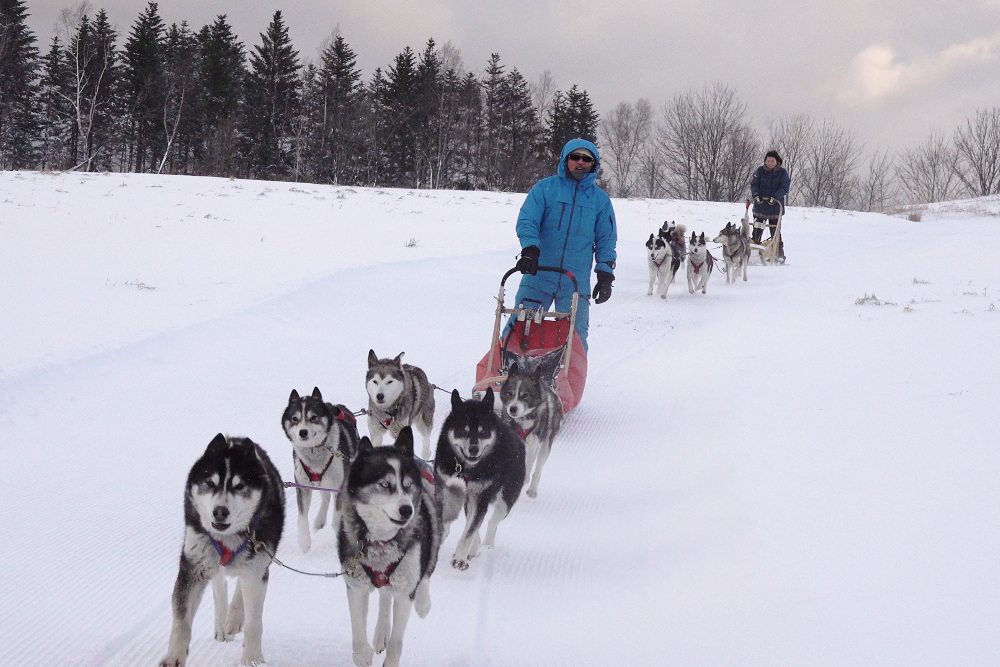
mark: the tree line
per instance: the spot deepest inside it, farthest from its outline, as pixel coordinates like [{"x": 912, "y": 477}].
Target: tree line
[{"x": 170, "y": 99}]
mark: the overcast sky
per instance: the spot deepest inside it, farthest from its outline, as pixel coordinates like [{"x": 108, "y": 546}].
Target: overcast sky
[{"x": 891, "y": 71}]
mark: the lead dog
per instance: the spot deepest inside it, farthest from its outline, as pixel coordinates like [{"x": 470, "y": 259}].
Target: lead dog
[
  {"x": 532, "y": 408},
  {"x": 324, "y": 441},
  {"x": 479, "y": 464},
  {"x": 735, "y": 249},
  {"x": 234, "y": 495},
  {"x": 700, "y": 264},
  {"x": 390, "y": 535},
  {"x": 398, "y": 395}
]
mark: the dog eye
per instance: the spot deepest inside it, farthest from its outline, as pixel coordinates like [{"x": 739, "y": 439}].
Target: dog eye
[
  {"x": 239, "y": 487},
  {"x": 385, "y": 485},
  {"x": 407, "y": 485},
  {"x": 295, "y": 419},
  {"x": 314, "y": 419}
]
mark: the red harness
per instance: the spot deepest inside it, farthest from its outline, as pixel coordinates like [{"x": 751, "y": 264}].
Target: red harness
[
  {"x": 317, "y": 476},
  {"x": 524, "y": 433},
  {"x": 380, "y": 578}
]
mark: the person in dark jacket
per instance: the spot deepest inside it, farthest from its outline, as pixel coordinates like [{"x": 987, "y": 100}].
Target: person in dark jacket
[
  {"x": 568, "y": 221},
  {"x": 769, "y": 187}
]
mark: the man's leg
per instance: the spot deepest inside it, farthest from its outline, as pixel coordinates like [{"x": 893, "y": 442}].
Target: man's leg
[{"x": 563, "y": 303}]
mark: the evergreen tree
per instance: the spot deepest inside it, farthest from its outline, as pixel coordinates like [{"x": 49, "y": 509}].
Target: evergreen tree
[
  {"x": 572, "y": 116},
  {"x": 522, "y": 135},
  {"x": 340, "y": 95},
  {"x": 55, "y": 114},
  {"x": 143, "y": 91},
  {"x": 18, "y": 71},
  {"x": 495, "y": 117},
  {"x": 221, "y": 74},
  {"x": 272, "y": 98},
  {"x": 398, "y": 103},
  {"x": 91, "y": 63},
  {"x": 181, "y": 112}
]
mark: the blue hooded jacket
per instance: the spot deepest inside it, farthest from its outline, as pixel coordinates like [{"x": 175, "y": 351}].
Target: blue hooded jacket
[{"x": 572, "y": 223}]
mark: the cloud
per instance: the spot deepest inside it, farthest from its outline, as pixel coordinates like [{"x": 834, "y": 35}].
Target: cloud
[{"x": 877, "y": 73}]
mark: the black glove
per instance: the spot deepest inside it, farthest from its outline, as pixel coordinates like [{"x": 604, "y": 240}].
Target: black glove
[
  {"x": 756, "y": 199},
  {"x": 529, "y": 260},
  {"x": 602, "y": 290}
]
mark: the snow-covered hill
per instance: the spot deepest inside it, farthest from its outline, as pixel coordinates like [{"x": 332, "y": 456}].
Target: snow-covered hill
[{"x": 770, "y": 474}]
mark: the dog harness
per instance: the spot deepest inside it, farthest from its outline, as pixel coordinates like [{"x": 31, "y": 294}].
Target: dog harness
[
  {"x": 380, "y": 578},
  {"x": 317, "y": 476},
  {"x": 524, "y": 432},
  {"x": 697, "y": 267},
  {"x": 226, "y": 555}
]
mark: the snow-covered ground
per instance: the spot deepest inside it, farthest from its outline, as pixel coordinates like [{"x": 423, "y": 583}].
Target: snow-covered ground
[{"x": 770, "y": 474}]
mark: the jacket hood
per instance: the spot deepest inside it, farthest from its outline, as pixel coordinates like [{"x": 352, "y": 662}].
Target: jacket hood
[{"x": 571, "y": 146}]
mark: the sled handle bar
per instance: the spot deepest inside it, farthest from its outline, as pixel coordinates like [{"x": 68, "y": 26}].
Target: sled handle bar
[{"x": 553, "y": 269}]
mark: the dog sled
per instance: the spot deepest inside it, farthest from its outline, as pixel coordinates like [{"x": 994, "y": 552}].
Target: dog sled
[
  {"x": 768, "y": 250},
  {"x": 538, "y": 339}
]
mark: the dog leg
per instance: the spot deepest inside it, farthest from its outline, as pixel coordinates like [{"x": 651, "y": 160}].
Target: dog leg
[
  {"x": 357, "y": 603},
  {"x": 303, "y": 498},
  {"x": 652, "y": 280},
  {"x": 401, "y": 607},
  {"x": 424, "y": 427},
  {"x": 221, "y": 600},
  {"x": 234, "y": 620},
  {"x": 254, "y": 587},
  {"x": 475, "y": 512},
  {"x": 324, "y": 508},
  {"x": 690, "y": 283},
  {"x": 543, "y": 455},
  {"x": 382, "y": 627},
  {"x": 422, "y": 598},
  {"x": 186, "y": 598},
  {"x": 376, "y": 430},
  {"x": 500, "y": 511},
  {"x": 530, "y": 452}
]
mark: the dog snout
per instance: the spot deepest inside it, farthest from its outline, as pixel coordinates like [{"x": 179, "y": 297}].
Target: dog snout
[
  {"x": 512, "y": 410},
  {"x": 405, "y": 511},
  {"x": 380, "y": 397},
  {"x": 220, "y": 513},
  {"x": 473, "y": 450},
  {"x": 303, "y": 433}
]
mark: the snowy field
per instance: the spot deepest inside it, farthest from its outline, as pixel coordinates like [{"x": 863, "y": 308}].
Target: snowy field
[{"x": 769, "y": 474}]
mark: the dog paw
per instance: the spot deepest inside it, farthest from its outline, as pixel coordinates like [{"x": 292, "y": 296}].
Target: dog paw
[
  {"x": 305, "y": 541},
  {"x": 422, "y": 600},
  {"x": 252, "y": 658},
  {"x": 224, "y": 635},
  {"x": 173, "y": 660},
  {"x": 320, "y": 521},
  {"x": 649, "y": 293},
  {"x": 363, "y": 655},
  {"x": 704, "y": 291},
  {"x": 460, "y": 564},
  {"x": 663, "y": 296},
  {"x": 381, "y": 637},
  {"x": 532, "y": 493}
]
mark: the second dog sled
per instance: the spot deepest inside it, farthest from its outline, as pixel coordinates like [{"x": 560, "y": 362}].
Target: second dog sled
[
  {"x": 538, "y": 339},
  {"x": 769, "y": 250}
]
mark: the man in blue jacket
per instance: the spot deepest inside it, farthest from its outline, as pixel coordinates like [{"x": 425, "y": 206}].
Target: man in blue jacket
[
  {"x": 768, "y": 187},
  {"x": 568, "y": 221}
]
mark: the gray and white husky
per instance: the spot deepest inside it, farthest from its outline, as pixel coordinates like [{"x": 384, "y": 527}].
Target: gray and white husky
[
  {"x": 324, "y": 441},
  {"x": 700, "y": 264},
  {"x": 479, "y": 464},
  {"x": 390, "y": 534},
  {"x": 735, "y": 249},
  {"x": 531, "y": 407},
  {"x": 665, "y": 254},
  {"x": 234, "y": 495},
  {"x": 398, "y": 395}
]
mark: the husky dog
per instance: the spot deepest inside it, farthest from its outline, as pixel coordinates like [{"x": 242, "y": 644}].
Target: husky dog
[
  {"x": 700, "y": 264},
  {"x": 234, "y": 496},
  {"x": 398, "y": 395},
  {"x": 673, "y": 234},
  {"x": 532, "y": 408},
  {"x": 659, "y": 260},
  {"x": 479, "y": 463},
  {"x": 324, "y": 441},
  {"x": 390, "y": 534},
  {"x": 735, "y": 249}
]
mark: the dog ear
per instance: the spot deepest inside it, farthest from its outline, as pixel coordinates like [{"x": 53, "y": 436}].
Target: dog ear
[
  {"x": 702, "y": 237},
  {"x": 316, "y": 394},
  {"x": 294, "y": 397},
  {"x": 372, "y": 358},
  {"x": 218, "y": 442},
  {"x": 399, "y": 359},
  {"x": 488, "y": 398},
  {"x": 404, "y": 442},
  {"x": 514, "y": 370},
  {"x": 694, "y": 236},
  {"x": 456, "y": 401},
  {"x": 365, "y": 446}
]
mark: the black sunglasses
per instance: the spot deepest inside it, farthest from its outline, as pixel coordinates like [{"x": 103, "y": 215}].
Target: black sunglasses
[{"x": 586, "y": 159}]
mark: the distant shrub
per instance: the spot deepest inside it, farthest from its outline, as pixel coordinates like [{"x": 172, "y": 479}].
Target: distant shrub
[{"x": 914, "y": 217}]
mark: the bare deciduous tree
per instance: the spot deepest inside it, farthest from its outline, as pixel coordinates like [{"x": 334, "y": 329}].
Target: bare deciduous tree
[
  {"x": 927, "y": 172},
  {"x": 625, "y": 131},
  {"x": 878, "y": 191},
  {"x": 542, "y": 92},
  {"x": 790, "y": 136},
  {"x": 977, "y": 144},
  {"x": 826, "y": 169},
  {"x": 703, "y": 142}
]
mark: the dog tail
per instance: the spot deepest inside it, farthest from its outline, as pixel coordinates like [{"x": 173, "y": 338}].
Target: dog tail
[{"x": 745, "y": 227}]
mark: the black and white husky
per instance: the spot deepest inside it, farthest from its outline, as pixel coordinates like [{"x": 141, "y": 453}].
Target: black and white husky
[
  {"x": 532, "y": 408},
  {"x": 479, "y": 464},
  {"x": 398, "y": 395},
  {"x": 700, "y": 264},
  {"x": 665, "y": 254},
  {"x": 234, "y": 495},
  {"x": 390, "y": 534},
  {"x": 324, "y": 442},
  {"x": 735, "y": 249}
]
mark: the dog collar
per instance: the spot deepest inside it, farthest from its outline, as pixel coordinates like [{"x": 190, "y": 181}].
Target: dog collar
[
  {"x": 387, "y": 422},
  {"x": 380, "y": 578},
  {"x": 317, "y": 476}
]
